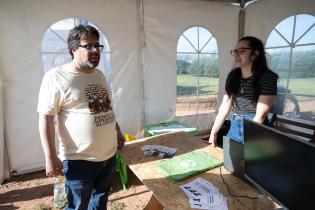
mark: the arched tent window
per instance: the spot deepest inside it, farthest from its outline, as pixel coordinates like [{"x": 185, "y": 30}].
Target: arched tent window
[
  {"x": 291, "y": 46},
  {"x": 55, "y": 49},
  {"x": 197, "y": 72}
]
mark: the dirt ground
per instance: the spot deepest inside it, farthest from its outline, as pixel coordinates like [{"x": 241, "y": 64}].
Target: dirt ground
[{"x": 35, "y": 191}]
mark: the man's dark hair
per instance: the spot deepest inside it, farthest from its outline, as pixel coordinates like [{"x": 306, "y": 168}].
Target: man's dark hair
[{"x": 78, "y": 33}]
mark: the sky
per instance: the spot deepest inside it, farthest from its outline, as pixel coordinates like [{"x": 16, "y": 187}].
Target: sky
[{"x": 281, "y": 36}]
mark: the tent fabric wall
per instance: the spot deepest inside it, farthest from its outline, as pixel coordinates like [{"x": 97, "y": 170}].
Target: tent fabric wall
[
  {"x": 263, "y": 16},
  {"x": 143, "y": 73},
  {"x": 23, "y": 24},
  {"x": 164, "y": 22},
  {"x": 2, "y": 171}
]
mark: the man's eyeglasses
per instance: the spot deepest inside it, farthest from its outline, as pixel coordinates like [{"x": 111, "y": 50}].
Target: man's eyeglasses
[
  {"x": 239, "y": 51},
  {"x": 90, "y": 48}
]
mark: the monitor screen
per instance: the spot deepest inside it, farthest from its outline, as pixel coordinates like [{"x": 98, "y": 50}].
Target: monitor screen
[{"x": 280, "y": 165}]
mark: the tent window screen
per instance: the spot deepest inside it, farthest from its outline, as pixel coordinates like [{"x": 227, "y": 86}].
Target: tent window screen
[
  {"x": 291, "y": 46},
  {"x": 55, "y": 49},
  {"x": 197, "y": 72}
]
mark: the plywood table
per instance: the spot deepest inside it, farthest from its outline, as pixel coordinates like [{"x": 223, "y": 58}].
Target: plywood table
[{"x": 168, "y": 194}]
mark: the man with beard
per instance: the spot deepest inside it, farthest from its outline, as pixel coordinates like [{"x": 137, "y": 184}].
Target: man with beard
[{"x": 88, "y": 133}]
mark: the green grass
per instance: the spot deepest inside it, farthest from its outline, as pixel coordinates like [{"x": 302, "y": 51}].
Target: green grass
[
  {"x": 187, "y": 85},
  {"x": 117, "y": 206},
  {"x": 301, "y": 86},
  {"x": 43, "y": 206}
]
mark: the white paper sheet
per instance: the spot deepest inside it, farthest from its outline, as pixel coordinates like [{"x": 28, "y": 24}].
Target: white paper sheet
[{"x": 204, "y": 195}]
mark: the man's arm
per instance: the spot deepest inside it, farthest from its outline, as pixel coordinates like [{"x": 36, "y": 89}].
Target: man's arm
[
  {"x": 47, "y": 136},
  {"x": 120, "y": 137}
]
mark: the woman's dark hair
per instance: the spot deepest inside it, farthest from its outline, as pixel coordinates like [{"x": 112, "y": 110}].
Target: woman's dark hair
[
  {"x": 259, "y": 67},
  {"x": 78, "y": 33}
]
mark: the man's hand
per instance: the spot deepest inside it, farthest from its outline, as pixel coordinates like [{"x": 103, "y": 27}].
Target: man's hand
[
  {"x": 54, "y": 166},
  {"x": 47, "y": 137},
  {"x": 120, "y": 141},
  {"x": 120, "y": 138}
]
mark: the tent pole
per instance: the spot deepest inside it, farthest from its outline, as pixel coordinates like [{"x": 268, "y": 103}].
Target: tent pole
[
  {"x": 241, "y": 20},
  {"x": 141, "y": 45}
]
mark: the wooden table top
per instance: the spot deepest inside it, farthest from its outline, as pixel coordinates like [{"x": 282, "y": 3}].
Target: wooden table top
[{"x": 169, "y": 194}]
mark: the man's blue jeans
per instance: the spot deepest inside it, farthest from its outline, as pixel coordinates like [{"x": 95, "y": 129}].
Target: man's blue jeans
[{"x": 88, "y": 183}]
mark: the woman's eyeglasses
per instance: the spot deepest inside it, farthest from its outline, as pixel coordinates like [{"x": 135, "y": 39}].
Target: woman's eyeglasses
[{"x": 239, "y": 51}]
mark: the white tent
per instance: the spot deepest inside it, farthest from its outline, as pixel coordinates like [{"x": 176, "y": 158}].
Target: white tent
[{"x": 143, "y": 38}]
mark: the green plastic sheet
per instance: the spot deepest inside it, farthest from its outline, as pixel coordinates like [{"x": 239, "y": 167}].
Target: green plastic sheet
[{"x": 188, "y": 164}]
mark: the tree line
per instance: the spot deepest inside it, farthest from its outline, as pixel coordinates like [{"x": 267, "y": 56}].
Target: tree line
[
  {"x": 206, "y": 66},
  {"x": 303, "y": 64}
]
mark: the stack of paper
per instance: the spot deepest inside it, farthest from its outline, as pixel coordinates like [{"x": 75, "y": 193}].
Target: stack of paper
[
  {"x": 158, "y": 150},
  {"x": 203, "y": 195},
  {"x": 170, "y": 128}
]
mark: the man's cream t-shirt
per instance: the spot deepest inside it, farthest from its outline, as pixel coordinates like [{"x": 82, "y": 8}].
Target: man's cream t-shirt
[{"x": 86, "y": 121}]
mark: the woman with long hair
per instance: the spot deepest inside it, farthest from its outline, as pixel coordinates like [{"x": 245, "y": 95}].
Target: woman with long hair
[{"x": 250, "y": 89}]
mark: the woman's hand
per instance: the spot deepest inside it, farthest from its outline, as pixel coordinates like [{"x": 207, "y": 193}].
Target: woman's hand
[{"x": 213, "y": 140}]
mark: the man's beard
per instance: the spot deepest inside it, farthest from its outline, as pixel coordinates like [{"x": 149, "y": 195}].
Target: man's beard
[{"x": 90, "y": 65}]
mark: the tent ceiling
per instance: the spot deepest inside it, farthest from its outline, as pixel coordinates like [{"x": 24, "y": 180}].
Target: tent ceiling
[
  {"x": 232, "y": 1},
  {"x": 240, "y": 2}
]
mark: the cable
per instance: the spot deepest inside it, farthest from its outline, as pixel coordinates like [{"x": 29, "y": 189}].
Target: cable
[{"x": 237, "y": 196}]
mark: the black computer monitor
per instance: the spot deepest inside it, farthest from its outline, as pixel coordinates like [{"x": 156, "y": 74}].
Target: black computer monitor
[{"x": 280, "y": 165}]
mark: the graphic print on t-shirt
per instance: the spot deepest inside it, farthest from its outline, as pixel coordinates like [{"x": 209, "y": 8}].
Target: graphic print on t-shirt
[
  {"x": 97, "y": 97},
  {"x": 98, "y": 101}
]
